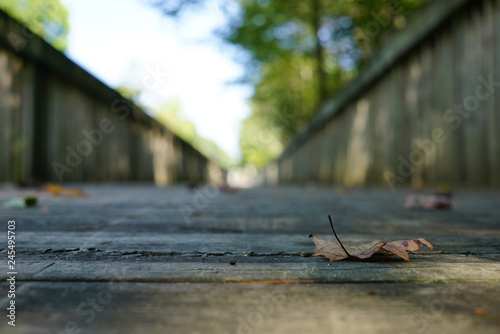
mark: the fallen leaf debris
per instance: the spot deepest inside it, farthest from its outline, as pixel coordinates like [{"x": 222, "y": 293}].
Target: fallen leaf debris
[{"x": 336, "y": 251}]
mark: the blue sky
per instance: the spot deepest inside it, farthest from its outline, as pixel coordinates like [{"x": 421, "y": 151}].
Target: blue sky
[{"x": 124, "y": 41}]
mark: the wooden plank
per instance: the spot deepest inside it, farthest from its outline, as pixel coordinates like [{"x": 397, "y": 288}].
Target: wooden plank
[
  {"x": 326, "y": 155},
  {"x": 443, "y": 148},
  {"x": 27, "y": 107},
  {"x": 474, "y": 146},
  {"x": 315, "y": 157},
  {"x": 388, "y": 158},
  {"x": 454, "y": 121},
  {"x": 343, "y": 133},
  {"x": 377, "y": 166},
  {"x": 145, "y": 224},
  {"x": 493, "y": 112},
  {"x": 358, "y": 156},
  {"x": 272, "y": 308},
  {"x": 484, "y": 67},
  {"x": 214, "y": 268},
  {"x": 133, "y": 245},
  {"x": 5, "y": 117},
  {"x": 411, "y": 107}
]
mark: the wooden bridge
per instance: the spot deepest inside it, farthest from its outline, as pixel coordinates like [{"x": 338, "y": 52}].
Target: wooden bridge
[
  {"x": 138, "y": 258},
  {"x": 425, "y": 111},
  {"x": 58, "y": 123},
  {"x": 143, "y": 259}
]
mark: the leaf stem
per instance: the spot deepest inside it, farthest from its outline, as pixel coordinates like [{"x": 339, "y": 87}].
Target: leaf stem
[{"x": 331, "y": 224}]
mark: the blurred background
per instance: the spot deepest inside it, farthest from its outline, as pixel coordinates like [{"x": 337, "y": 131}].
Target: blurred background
[{"x": 237, "y": 80}]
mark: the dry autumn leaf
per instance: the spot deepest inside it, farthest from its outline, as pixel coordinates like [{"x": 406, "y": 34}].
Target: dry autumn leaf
[
  {"x": 480, "y": 311},
  {"x": 440, "y": 202},
  {"x": 335, "y": 251},
  {"x": 61, "y": 191}
]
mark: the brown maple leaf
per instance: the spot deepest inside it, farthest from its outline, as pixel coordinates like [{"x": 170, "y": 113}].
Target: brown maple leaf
[{"x": 336, "y": 251}]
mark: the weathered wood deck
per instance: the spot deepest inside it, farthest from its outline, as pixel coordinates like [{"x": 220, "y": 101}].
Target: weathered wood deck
[{"x": 124, "y": 260}]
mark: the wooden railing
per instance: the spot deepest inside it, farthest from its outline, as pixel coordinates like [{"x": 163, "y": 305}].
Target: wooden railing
[
  {"x": 59, "y": 123},
  {"x": 426, "y": 111}
]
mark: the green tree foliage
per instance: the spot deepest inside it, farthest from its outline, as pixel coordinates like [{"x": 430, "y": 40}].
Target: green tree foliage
[
  {"x": 168, "y": 115},
  {"x": 46, "y": 18},
  {"x": 304, "y": 52},
  {"x": 129, "y": 92},
  {"x": 259, "y": 141},
  {"x": 301, "y": 53}
]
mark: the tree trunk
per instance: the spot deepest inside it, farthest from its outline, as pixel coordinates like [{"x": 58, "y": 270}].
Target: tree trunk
[{"x": 318, "y": 52}]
